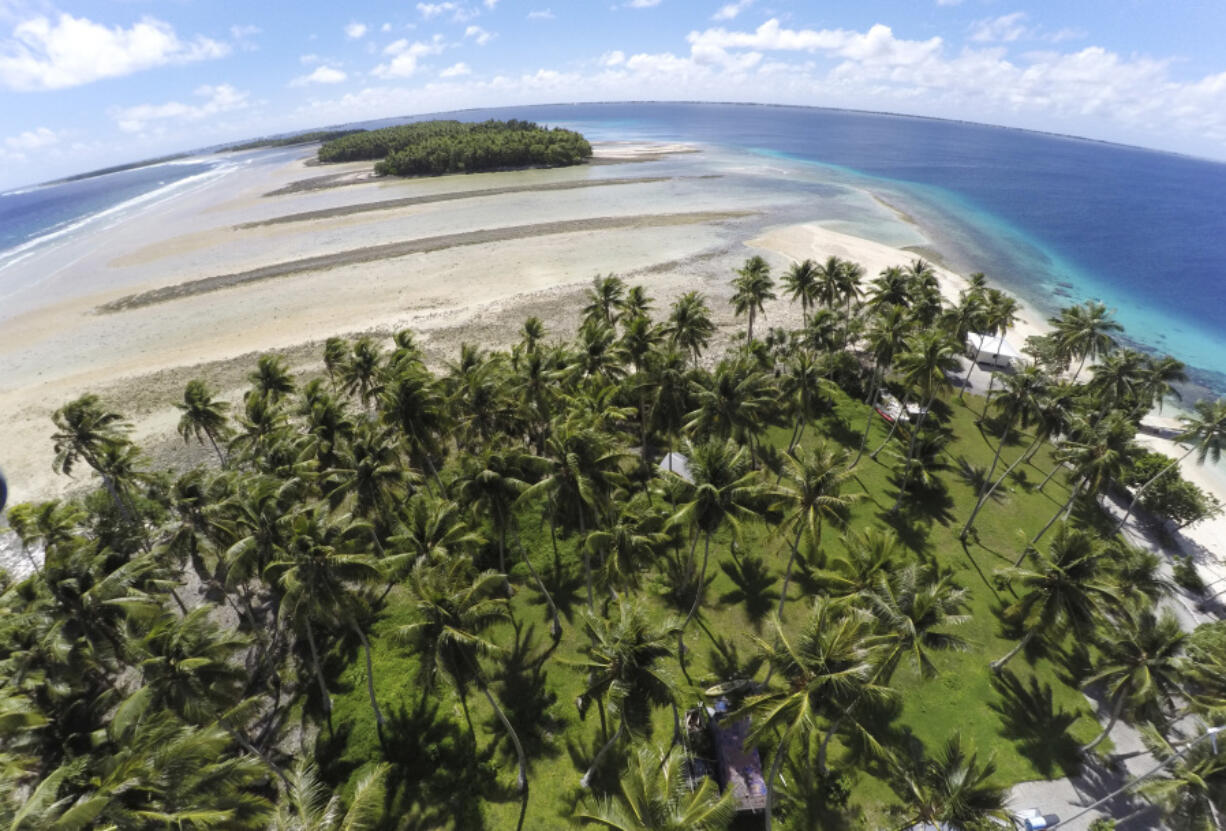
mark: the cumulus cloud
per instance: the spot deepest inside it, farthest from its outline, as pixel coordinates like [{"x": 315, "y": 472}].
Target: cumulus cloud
[
  {"x": 36, "y": 139},
  {"x": 541, "y": 14},
  {"x": 321, "y": 75},
  {"x": 355, "y": 30},
  {"x": 216, "y": 100},
  {"x": 459, "y": 13},
  {"x": 70, "y": 51},
  {"x": 730, "y": 10},
  {"x": 405, "y": 57},
  {"x": 481, "y": 36},
  {"x": 615, "y": 58},
  {"x": 1004, "y": 29},
  {"x": 491, "y": 4},
  {"x": 456, "y": 70}
]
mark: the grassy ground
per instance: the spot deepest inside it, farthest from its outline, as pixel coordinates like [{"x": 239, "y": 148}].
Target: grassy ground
[{"x": 1030, "y": 719}]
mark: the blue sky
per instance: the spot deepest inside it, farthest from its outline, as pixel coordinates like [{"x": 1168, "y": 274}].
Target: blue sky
[{"x": 86, "y": 84}]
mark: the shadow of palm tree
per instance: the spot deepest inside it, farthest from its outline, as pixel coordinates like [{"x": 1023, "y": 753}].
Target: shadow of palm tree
[
  {"x": 726, "y": 663},
  {"x": 521, "y": 686},
  {"x": 1029, "y": 716},
  {"x": 806, "y": 798},
  {"x": 567, "y": 588},
  {"x": 755, "y": 587}
]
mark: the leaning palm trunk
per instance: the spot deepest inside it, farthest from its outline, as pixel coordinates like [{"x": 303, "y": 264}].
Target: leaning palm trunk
[
  {"x": 780, "y": 752},
  {"x": 1065, "y": 509},
  {"x": 987, "y": 489},
  {"x": 370, "y": 677},
  {"x": 787, "y": 574},
  {"x": 966, "y": 382},
  {"x": 999, "y": 663},
  {"x": 702, "y": 580},
  {"x": 586, "y": 781},
  {"x": 519, "y": 748},
  {"x": 319, "y": 673},
  {"x": 893, "y": 428},
  {"x": 1137, "y": 496},
  {"x": 1117, "y": 706},
  {"x": 906, "y": 470},
  {"x": 555, "y": 627},
  {"x": 868, "y": 422}
]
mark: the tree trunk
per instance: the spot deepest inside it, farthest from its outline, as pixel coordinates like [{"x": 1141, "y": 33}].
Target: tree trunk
[
  {"x": 506, "y": 723},
  {"x": 587, "y": 563},
  {"x": 370, "y": 677},
  {"x": 821, "y": 750},
  {"x": 776, "y": 763},
  {"x": 1117, "y": 705},
  {"x": 586, "y": 781},
  {"x": 906, "y": 470},
  {"x": 966, "y": 382},
  {"x": 999, "y": 664},
  {"x": 868, "y": 424},
  {"x": 555, "y": 628},
  {"x": 1062, "y": 509},
  {"x": 1049, "y": 476},
  {"x": 702, "y": 580},
  {"x": 787, "y": 574},
  {"x": 1137, "y": 496},
  {"x": 987, "y": 487},
  {"x": 221, "y": 460},
  {"x": 319, "y": 673},
  {"x": 893, "y": 429},
  {"x": 1012, "y": 466},
  {"x": 1080, "y": 366}
]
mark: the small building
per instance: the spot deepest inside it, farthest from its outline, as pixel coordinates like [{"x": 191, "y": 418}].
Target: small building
[
  {"x": 678, "y": 465},
  {"x": 992, "y": 349}
]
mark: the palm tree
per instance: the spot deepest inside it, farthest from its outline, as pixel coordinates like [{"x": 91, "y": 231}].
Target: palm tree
[
  {"x": 1205, "y": 432},
  {"x": 203, "y": 416},
  {"x": 734, "y": 402},
  {"x": 890, "y": 288},
  {"x": 655, "y": 796},
  {"x": 622, "y": 660},
  {"x": 1158, "y": 377},
  {"x": 1061, "y": 590},
  {"x": 626, "y": 547},
  {"x": 1139, "y": 665},
  {"x": 83, "y": 428},
  {"x": 823, "y": 670},
  {"x": 637, "y": 303},
  {"x": 969, "y": 316},
  {"x": 307, "y": 806},
  {"x": 689, "y": 324},
  {"x": 886, "y": 338},
  {"x": 320, "y": 566},
  {"x": 753, "y": 287},
  {"x": 361, "y": 372},
  {"x": 828, "y": 290},
  {"x": 188, "y": 666},
  {"x": 810, "y": 494},
  {"x": 724, "y": 492},
  {"x": 870, "y": 553},
  {"x": 455, "y": 607},
  {"x": 336, "y": 353},
  {"x": 1000, "y": 313},
  {"x": 925, "y": 369},
  {"x": 411, "y": 402},
  {"x": 271, "y": 379},
  {"x": 1085, "y": 332},
  {"x": 1192, "y": 788},
  {"x": 605, "y": 299},
  {"x": 910, "y": 605},
  {"x": 800, "y": 281},
  {"x": 1020, "y": 399},
  {"x": 953, "y": 791}
]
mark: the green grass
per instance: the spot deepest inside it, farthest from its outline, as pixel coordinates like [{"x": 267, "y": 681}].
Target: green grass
[{"x": 1030, "y": 720}]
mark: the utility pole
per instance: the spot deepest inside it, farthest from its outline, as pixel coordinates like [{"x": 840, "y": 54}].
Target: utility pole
[{"x": 1210, "y": 733}]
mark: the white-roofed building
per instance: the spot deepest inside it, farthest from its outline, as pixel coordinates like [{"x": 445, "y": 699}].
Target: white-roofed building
[{"x": 992, "y": 349}]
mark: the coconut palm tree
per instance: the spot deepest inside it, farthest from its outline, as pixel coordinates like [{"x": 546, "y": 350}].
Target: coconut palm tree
[
  {"x": 1139, "y": 666},
  {"x": 605, "y": 299},
  {"x": 622, "y": 659},
  {"x": 655, "y": 796},
  {"x": 869, "y": 553},
  {"x": 1157, "y": 382},
  {"x": 886, "y": 338},
  {"x": 925, "y": 368},
  {"x": 828, "y": 282},
  {"x": 969, "y": 316},
  {"x": 203, "y": 416},
  {"x": 889, "y": 288},
  {"x": 953, "y": 790},
  {"x": 271, "y": 379},
  {"x": 638, "y": 303},
  {"x": 911, "y": 605},
  {"x": 737, "y": 401},
  {"x": 1204, "y": 432},
  {"x": 753, "y": 287},
  {"x": 1084, "y": 332},
  {"x": 412, "y": 402},
  {"x": 724, "y": 492},
  {"x": 822, "y": 670},
  {"x": 306, "y": 804},
  {"x": 801, "y": 282},
  {"x": 361, "y": 373},
  {"x": 999, "y": 315},
  {"x": 188, "y": 666},
  {"x": 626, "y": 547},
  {"x": 1191, "y": 789},
  {"x": 1062, "y": 589},
  {"x": 689, "y": 324},
  {"x": 336, "y": 352},
  {"x": 810, "y": 494}
]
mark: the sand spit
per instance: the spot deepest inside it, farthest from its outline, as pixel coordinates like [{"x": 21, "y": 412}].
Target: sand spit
[
  {"x": 410, "y": 201},
  {"x": 419, "y": 246},
  {"x": 330, "y": 180}
]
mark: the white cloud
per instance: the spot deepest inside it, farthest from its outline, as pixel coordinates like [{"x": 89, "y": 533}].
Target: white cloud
[
  {"x": 491, "y": 4},
  {"x": 36, "y": 139},
  {"x": 321, "y": 75},
  {"x": 730, "y": 10},
  {"x": 481, "y": 36},
  {"x": 244, "y": 32},
  {"x": 642, "y": 4},
  {"x": 307, "y": 60},
  {"x": 406, "y": 56},
  {"x": 615, "y": 58},
  {"x": 386, "y": 27},
  {"x": 459, "y": 13},
  {"x": 70, "y": 51},
  {"x": 1004, "y": 29},
  {"x": 456, "y": 71},
  {"x": 355, "y": 30},
  {"x": 218, "y": 99},
  {"x": 949, "y": 2},
  {"x": 541, "y": 14}
]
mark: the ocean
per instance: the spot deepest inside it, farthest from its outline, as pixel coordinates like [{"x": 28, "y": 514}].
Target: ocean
[{"x": 1055, "y": 220}]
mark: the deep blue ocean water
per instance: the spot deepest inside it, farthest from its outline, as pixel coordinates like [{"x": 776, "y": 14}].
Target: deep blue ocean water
[{"x": 1055, "y": 219}]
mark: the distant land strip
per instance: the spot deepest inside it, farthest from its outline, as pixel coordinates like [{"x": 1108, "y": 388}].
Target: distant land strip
[
  {"x": 400, "y": 249},
  {"x": 408, "y": 201}
]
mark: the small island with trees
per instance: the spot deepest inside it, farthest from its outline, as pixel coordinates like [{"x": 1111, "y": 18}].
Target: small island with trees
[{"x": 432, "y": 148}]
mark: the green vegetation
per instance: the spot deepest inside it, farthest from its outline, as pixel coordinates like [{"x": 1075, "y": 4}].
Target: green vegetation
[
  {"x": 297, "y": 138},
  {"x": 431, "y": 148},
  {"x": 404, "y": 598}
]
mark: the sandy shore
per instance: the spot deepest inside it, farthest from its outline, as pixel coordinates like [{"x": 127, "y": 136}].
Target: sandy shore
[{"x": 188, "y": 288}]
